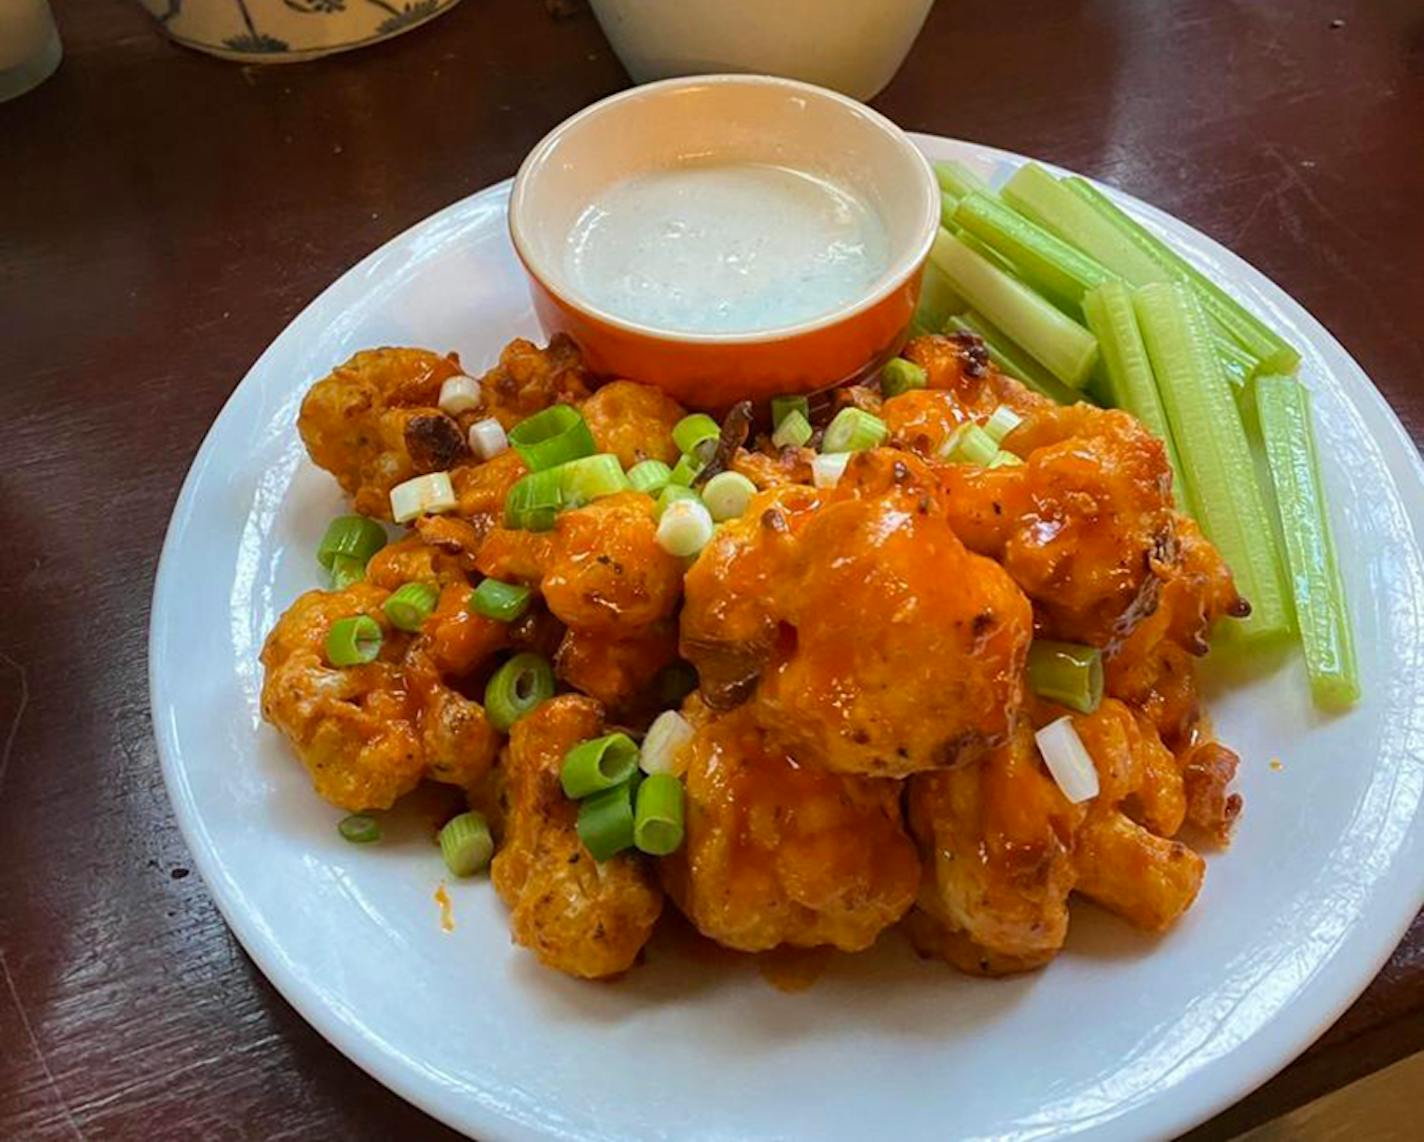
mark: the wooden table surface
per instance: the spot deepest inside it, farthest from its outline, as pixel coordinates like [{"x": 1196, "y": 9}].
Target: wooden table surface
[{"x": 162, "y": 217}]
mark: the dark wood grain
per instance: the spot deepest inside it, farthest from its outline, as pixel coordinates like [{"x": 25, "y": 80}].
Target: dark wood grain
[{"x": 163, "y": 215}]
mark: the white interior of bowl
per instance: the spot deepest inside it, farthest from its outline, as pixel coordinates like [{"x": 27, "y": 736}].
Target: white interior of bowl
[{"x": 731, "y": 118}]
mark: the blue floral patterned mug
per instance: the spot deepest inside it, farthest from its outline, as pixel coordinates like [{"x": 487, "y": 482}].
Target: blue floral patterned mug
[{"x": 280, "y": 31}]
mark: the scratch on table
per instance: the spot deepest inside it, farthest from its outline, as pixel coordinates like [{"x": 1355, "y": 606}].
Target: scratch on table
[
  {"x": 14, "y": 729},
  {"x": 35, "y": 1046}
]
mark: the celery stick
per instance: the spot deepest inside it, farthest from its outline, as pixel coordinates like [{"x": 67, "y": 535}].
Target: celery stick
[
  {"x": 1131, "y": 385},
  {"x": 937, "y": 300},
  {"x": 1240, "y": 366},
  {"x": 1042, "y": 259},
  {"x": 1283, "y": 404},
  {"x": 1007, "y": 358},
  {"x": 1212, "y": 446},
  {"x": 1061, "y": 345},
  {"x": 986, "y": 251},
  {"x": 957, "y": 179},
  {"x": 947, "y": 206},
  {"x": 1041, "y": 198},
  {"x": 1253, "y": 334}
]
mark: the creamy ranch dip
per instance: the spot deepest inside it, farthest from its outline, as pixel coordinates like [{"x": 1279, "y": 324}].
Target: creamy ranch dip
[{"x": 725, "y": 248}]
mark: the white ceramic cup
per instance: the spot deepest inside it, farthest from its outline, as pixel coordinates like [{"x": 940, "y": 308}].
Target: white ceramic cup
[{"x": 853, "y": 46}]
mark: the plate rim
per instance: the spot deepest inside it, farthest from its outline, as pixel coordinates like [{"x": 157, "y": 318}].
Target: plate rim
[{"x": 1178, "y": 1109}]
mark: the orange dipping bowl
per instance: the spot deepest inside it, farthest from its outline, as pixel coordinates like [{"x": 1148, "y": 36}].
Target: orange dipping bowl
[{"x": 742, "y": 122}]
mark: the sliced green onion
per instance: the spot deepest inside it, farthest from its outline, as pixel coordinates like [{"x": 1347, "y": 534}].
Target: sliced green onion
[
  {"x": 657, "y": 820},
  {"x": 353, "y": 641},
  {"x": 854, "y": 430},
  {"x": 900, "y": 376},
  {"x": 1005, "y": 459},
  {"x": 1002, "y": 421},
  {"x": 727, "y": 494},
  {"x": 969, "y": 444},
  {"x": 605, "y": 822},
  {"x": 410, "y": 605},
  {"x": 663, "y": 744},
  {"x": 1037, "y": 195},
  {"x": 958, "y": 180},
  {"x": 459, "y": 394},
  {"x": 782, "y": 407},
  {"x": 1061, "y": 345},
  {"x": 686, "y": 470},
  {"x": 430, "y": 494},
  {"x": 1068, "y": 760},
  {"x": 649, "y": 476},
  {"x": 685, "y": 527},
  {"x": 359, "y": 829},
  {"x": 504, "y": 602},
  {"x": 1041, "y": 258},
  {"x": 1283, "y": 405},
  {"x": 793, "y": 431},
  {"x": 826, "y": 471},
  {"x": 554, "y": 436},
  {"x": 1273, "y": 352},
  {"x": 345, "y": 570},
  {"x": 466, "y": 844},
  {"x": 598, "y": 764},
  {"x": 1012, "y": 361},
  {"x": 672, "y": 494},
  {"x": 351, "y": 536},
  {"x": 937, "y": 301},
  {"x": 487, "y": 438},
  {"x": 590, "y": 478},
  {"x": 534, "y": 501},
  {"x": 516, "y": 688},
  {"x": 1067, "y": 673},
  {"x": 1216, "y": 458},
  {"x": 1131, "y": 384},
  {"x": 692, "y": 430}
]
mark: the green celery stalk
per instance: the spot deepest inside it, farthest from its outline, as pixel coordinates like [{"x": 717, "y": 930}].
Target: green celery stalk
[
  {"x": 1212, "y": 446},
  {"x": 937, "y": 300},
  {"x": 1254, "y": 335},
  {"x": 958, "y": 180},
  {"x": 1240, "y": 366},
  {"x": 947, "y": 206},
  {"x": 1042, "y": 259},
  {"x": 1041, "y": 198},
  {"x": 986, "y": 251},
  {"x": 1283, "y": 405},
  {"x": 1061, "y": 345},
  {"x": 1010, "y": 361},
  {"x": 1131, "y": 384}
]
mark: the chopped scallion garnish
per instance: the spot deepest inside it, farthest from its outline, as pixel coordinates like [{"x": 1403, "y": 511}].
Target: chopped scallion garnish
[
  {"x": 503, "y": 602},
  {"x": 605, "y": 822},
  {"x": 793, "y": 431},
  {"x": 657, "y": 818},
  {"x": 692, "y": 430},
  {"x": 727, "y": 494},
  {"x": 900, "y": 376},
  {"x": 534, "y": 501},
  {"x": 353, "y": 641},
  {"x": 359, "y": 829},
  {"x": 1067, "y": 673},
  {"x": 516, "y": 689},
  {"x": 466, "y": 844},
  {"x": 1002, "y": 421},
  {"x": 686, "y": 470},
  {"x": 598, "y": 764},
  {"x": 591, "y": 478},
  {"x": 664, "y": 742},
  {"x": 782, "y": 407},
  {"x": 352, "y": 536},
  {"x": 345, "y": 570},
  {"x": 410, "y": 605},
  {"x": 685, "y": 527},
  {"x": 429, "y": 494},
  {"x": 554, "y": 436},
  {"x": 649, "y": 476},
  {"x": 854, "y": 430}
]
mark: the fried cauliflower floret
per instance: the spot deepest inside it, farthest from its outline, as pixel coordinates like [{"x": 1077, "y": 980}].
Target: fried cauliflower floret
[
  {"x": 579, "y": 916},
  {"x": 634, "y": 422},
  {"x": 781, "y": 853},
  {"x": 1003, "y": 848},
  {"x": 958, "y": 364},
  {"x": 1085, "y": 527},
  {"x": 354, "y": 728},
  {"x": 616, "y": 668},
  {"x": 600, "y": 569},
  {"x": 878, "y": 643},
  {"x": 361, "y": 422},
  {"x": 995, "y": 838},
  {"x": 529, "y": 379}
]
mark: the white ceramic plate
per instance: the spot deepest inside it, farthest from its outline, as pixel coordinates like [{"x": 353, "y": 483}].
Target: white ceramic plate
[{"x": 1124, "y": 1036}]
